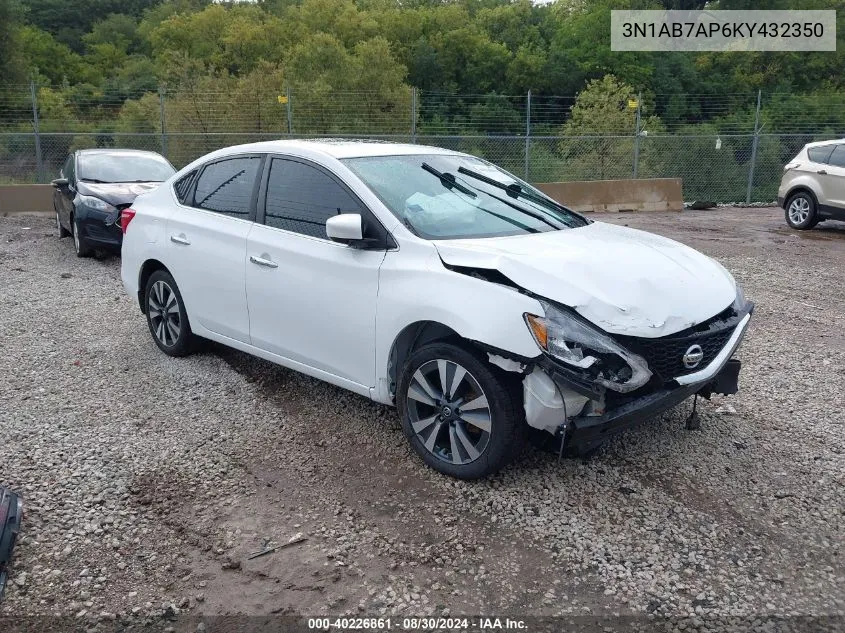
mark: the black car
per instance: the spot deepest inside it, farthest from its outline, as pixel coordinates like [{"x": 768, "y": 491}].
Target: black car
[{"x": 92, "y": 188}]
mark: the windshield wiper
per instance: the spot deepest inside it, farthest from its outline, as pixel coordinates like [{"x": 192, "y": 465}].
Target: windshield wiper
[
  {"x": 97, "y": 182},
  {"x": 537, "y": 216},
  {"x": 448, "y": 180},
  {"x": 515, "y": 191}
]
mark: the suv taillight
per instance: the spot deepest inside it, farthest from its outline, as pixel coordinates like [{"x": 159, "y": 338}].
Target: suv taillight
[{"x": 125, "y": 218}]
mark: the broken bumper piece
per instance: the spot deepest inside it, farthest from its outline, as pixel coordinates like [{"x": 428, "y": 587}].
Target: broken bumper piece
[
  {"x": 552, "y": 397},
  {"x": 587, "y": 433}
]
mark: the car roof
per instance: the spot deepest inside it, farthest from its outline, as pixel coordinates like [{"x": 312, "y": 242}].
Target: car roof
[
  {"x": 335, "y": 148},
  {"x": 820, "y": 143},
  {"x": 117, "y": 152}
]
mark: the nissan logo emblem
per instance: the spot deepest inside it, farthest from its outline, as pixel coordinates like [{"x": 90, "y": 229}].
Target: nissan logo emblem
[{"x": 693, "y": 356}]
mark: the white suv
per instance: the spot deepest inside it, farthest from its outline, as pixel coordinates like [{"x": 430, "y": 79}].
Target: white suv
[
  {"x": 437, "y": 282},
  {"x": 813, "y": 185}
]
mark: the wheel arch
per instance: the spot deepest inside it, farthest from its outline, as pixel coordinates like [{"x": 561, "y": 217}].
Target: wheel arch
[
  {"x": 147, "y": 269},
  {"x": 410, "y": 339},
  {"x": 800, "y": 188}
]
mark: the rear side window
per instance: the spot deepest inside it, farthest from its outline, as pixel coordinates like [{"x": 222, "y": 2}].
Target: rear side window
[
  {"x": 837, "y": 158},
  {"x": 182, "y": 187},
  {"x": 226, "y": 186},
  {"x": 300, "y": 198},
  {"x": 820, "y": 154}
]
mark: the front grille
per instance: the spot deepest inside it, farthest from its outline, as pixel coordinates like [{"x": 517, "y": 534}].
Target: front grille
[{"x": 665, "y": 355}]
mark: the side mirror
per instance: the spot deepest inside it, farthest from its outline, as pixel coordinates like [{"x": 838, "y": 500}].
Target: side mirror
[
  {"x": 346, "y": 228},
  {"x": 59, "y": 182}
]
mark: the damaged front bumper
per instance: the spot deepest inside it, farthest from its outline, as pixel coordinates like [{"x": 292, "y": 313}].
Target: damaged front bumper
[{"x": 556, "y": 403}]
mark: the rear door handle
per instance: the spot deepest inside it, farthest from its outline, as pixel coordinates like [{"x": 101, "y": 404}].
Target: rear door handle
[
  {"x": 823, "y": 172},
  {"x": 263, "y": 262},
  {"x": 180, "y": 239}
]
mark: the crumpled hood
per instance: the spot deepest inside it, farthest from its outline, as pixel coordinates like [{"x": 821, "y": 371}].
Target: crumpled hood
[
  {"x": 116, "y": 193},
  {"x": 625, "y": 281}
]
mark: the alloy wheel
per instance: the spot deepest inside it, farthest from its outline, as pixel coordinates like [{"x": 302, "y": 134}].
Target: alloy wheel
[
  {"x": 449, "y": 412},
  {"x": 163, "y": 309},
  {"x": 799, "y": 210}
]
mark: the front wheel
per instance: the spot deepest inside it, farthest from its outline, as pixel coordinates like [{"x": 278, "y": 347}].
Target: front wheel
[
  {"x": 166, "y": 316},
  {"x": 801, "y": 212},
  {"x": 80, "y": 245},
  {"x": 463, "y": 419}
]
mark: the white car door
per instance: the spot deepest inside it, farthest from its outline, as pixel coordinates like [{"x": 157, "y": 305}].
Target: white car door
[
  {"x": 207, "y": 245},
  {"x": 312, "y": 300}
]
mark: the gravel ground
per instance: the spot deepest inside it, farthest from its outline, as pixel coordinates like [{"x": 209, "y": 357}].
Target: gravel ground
[{"x": 148, "y": 480}]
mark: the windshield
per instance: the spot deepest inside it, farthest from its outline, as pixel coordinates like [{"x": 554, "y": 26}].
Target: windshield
[
  {"x": 441, "y": 196},
  {"x": 117, "y": 167}
]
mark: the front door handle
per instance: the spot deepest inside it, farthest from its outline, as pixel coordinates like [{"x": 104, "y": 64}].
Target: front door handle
[
  {"x": 823, "y": 172},
  {"x": 263, "y": 262},
  {"x": 180, "y": 239}
]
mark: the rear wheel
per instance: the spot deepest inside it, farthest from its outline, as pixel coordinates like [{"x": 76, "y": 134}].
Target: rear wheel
[
  {"x": 801, "y": 211},
  {"x": 166, "y": 316},
  {"x": 463, "y": 419},
  {"x": 79, "y": 244}
]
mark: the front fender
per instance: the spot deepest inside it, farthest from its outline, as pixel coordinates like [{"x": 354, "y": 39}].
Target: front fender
[{"x": 413, "y": 290}]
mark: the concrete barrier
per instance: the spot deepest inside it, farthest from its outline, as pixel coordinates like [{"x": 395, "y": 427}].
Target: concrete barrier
[
  {"x": 26, "y": 199},
  {"x": 644, "y": 194}
]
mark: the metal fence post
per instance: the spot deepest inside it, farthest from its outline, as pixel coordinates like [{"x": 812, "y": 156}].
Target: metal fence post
[
  {"x": 162, "y": 122},
  {"x": 414, "y": 114},
  {"x": 39, "y": 160},
  {"x": 527, "y": 136},
  {"x": 637, "y": 135},
  {"x": 288, "y": 110},
  {"x": 753, "y": 150}
]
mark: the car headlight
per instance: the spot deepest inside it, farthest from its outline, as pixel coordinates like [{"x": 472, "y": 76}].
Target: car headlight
[
  {"x": 95, "y": 203},
  {"x": 575, "y": 342}
]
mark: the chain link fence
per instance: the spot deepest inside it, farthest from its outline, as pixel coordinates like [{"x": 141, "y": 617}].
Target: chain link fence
[{"x": 729, "y": 148}]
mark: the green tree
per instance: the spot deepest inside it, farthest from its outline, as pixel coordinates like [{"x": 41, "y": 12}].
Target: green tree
[
  {"x": 49, "y": 60},
  {"x": 598, "y": 141},
  {"x": 69, "y": 21},
  {"x": 10, "y": 62}
]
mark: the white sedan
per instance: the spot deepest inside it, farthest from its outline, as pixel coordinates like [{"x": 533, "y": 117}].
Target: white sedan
[{"x": 437, "y": 282}]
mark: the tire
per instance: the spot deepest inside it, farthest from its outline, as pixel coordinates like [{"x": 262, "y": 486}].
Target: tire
[
  {"x": 79, "y": 244},
  {"x": 172, "y": 333},
  {"x": 437, "y": 427},
  {"x": 801, "y": 211},
  {"x": 63, "y": 232}
]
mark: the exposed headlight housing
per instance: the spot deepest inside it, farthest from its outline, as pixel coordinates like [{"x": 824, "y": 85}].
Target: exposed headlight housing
[
  {"x": 95, "y": 203},
  {"x": 740, "y": 302},
  {"x": 572, "y": 340}
]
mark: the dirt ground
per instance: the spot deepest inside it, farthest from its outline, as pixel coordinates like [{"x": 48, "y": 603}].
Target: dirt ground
[{"x": 149, "y": 481}]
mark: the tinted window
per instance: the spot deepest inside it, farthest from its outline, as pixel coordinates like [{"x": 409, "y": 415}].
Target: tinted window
[
  {"x": 837, "y": 158},
  {"x": 226, "y": 186},
  {"x": 124, "y": 167},
  {"x": 67, "y": 169},
  {"x": 820, "y": 154},
  {"x": 301, "y": 198},
  {"x": 183, "y": 186}
]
